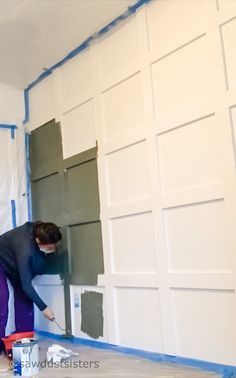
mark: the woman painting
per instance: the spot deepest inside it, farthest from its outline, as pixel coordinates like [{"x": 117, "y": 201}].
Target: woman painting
[{"x": 23, "y": 253}]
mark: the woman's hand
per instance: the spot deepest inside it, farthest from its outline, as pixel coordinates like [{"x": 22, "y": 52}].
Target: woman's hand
[{"x": 48, "y": 313}]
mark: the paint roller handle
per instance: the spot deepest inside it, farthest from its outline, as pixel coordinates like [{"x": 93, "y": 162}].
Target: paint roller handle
[{"x": 48, "y": 313}]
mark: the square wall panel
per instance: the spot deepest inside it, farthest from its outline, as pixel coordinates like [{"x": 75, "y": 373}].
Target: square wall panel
[
  {"x": 92, "y": 322},
  {"x": 42, "y": 102},
  {"x": 137, "y": 325},
  {"x": 76, "y": 79},
  {"x": 188, "y": 19},
  {"x": 184, "y": 84},
  {"x": 228, "y": 32},
  {"x": 196, "y": 237},
  {"x": 123, "y": 108},
  {"x": 82, "y": 188},
  {"x": 133, "y": 245},
  {"x": 79, "y": 314},
  {"x": 86, "y": 253},
  {"x": 128, "y": 175},
  {"x": 233, "y": 130},
  {"x": 119, "y": 55},
  {"x": 78, "y": 130},
  {"x": 48, "y": 194},
  {"x": 45, "y": 149},
  {"x": 228, "y": 6},
  {"x": 205, "y": 325},
  {"x": 190, "y": 156}
]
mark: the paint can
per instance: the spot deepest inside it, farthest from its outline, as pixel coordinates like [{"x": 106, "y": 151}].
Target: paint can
[{"x": 25, "y": 357}]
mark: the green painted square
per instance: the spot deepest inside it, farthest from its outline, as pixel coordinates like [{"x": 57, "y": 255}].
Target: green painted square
[
  {"x": 82, "y": 190},
  {"x": 47, "y": 199},
  {"x": 85, "y": 242},
  {"x": 45, "y": 149},
  {"x": 92, "y": 314}
]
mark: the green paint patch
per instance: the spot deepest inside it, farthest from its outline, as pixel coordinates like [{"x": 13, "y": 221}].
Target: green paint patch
[
  {"x": 86, "y": 253},
  {"x": 92, "y": 314}
]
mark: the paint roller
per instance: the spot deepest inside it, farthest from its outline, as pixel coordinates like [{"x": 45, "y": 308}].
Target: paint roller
[{"x": 62, "y": 329}]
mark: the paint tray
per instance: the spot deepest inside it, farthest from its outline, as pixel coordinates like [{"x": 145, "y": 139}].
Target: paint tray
[{"x": 14, "y": 337}]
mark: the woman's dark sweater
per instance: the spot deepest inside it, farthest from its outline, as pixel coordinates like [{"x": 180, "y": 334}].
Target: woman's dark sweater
[{"x": 22, "y": 260}]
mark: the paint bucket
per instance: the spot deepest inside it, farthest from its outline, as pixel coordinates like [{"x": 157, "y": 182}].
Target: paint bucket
[{"x": 25, "y": 357}]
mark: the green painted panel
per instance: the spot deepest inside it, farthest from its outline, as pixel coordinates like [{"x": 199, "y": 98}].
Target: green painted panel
[
  {"x": 86, "y": 253},
  {"x": 66, "y": 192},
  {"x": 45, "y": 150},
  {"x": 92, "y": 314},
  {"x": 46, "y": 207},
  {"x": 45, "y": 162},
  {"x": 82, "y": 191},
  {"x": 47, "y": 199},
  {"x": 84, "y": 156}
]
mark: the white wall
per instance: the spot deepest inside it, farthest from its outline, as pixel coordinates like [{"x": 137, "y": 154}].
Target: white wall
[
  {"x": 158, "y": 93},
  {"x": 51, "y": 290}
]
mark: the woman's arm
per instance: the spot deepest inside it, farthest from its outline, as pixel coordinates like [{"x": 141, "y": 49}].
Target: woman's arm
[{"x": 24, "y": 268}]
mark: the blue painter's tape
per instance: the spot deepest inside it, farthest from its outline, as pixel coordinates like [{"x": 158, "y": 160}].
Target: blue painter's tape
[
  {"x": 227, "y": 371},
  {"x": 12, "y": 128},
  {"x": 13, "y": 213},
  {"x": 48, "y": 71},
  {"x": 28, "y": 186},
  {"x": 26, "y": 100}
]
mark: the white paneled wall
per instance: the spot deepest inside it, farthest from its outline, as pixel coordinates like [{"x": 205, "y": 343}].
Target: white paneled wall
[
  {"x": 119, "y": 164},
  {"x": 158, "y": 93},
  {"x": 124, "y": 59},
  {"x": 128, "y": 244},
  {"x": 196, "y": 238},
  {"x": 121, "y": 116},
  {"x": 188, "y": 19},
  {"x": 228, "y": 29},
  {"x": 145, "y": 309},
  {"x": 76, "y": 105},
  {"x": 42, "y": 102},
  {"x": 78, "y": 129},
  {"x": 206, "y": 315},
  {"x": 195, "y": 147}
]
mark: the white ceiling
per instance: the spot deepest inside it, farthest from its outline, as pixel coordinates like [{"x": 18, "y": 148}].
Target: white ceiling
[{"x": 36, "y": 34}]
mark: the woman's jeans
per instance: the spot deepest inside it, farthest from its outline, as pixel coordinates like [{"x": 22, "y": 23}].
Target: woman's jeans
[{"x": 24, "y": 310}]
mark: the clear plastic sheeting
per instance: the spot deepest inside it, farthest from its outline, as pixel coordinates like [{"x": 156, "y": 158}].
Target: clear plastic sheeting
[
  {"x": 13, "y": 196},
  {"x": 12, "y": 188},
  {"x": 5, "y": 216}
]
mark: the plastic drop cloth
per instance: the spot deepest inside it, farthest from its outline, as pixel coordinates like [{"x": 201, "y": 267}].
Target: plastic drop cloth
[
  {"x": 12, "y": 187},
  {"x": 12, "y": 178},
  {"x": 57, "y": 353}
]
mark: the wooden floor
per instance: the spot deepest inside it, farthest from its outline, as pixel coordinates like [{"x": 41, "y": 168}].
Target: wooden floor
[{"x": 110, "y": 365}]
